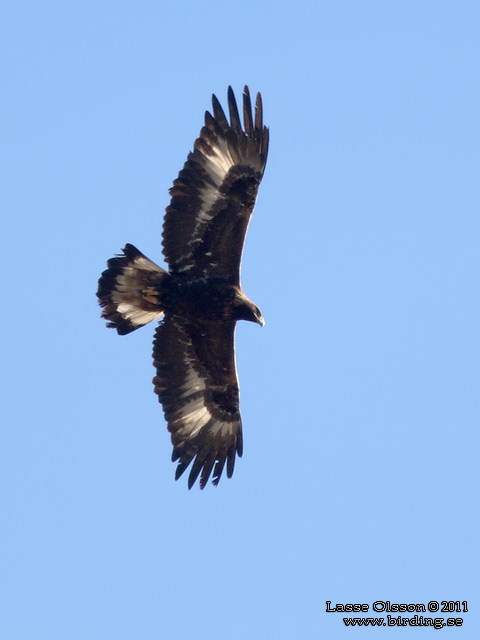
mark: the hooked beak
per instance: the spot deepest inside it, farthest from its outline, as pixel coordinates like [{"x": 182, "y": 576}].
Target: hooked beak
[{"x": 260, "y": 321}]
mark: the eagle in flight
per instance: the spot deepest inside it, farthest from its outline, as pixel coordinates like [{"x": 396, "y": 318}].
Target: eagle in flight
[{"x": 199, "y": 299}]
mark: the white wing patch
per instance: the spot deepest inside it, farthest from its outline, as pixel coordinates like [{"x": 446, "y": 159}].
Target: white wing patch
[
  {"x": 192, "y": 384},
  {"x": 193, "y": 415},
  {"x": 189, "y": 424},
  {"x": 218, "y": 163}
]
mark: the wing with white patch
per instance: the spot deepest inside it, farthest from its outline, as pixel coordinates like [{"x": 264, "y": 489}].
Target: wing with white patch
[
  {"x": 215, "y": 192},
  {"x": 197, "y": 384}
]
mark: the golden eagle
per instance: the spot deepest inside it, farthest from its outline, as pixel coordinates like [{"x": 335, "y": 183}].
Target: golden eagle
[{"x": 199, "y": 298}]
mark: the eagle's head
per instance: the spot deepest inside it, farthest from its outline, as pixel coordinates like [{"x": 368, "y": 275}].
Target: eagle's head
[{"x": 245, "y": 309}]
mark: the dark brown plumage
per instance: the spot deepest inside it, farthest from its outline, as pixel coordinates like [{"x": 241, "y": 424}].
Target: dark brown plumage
[{"x": 199, "y": 297}]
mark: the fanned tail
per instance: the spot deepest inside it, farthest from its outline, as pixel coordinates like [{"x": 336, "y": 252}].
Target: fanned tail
[{"x": 129, "y": 290}]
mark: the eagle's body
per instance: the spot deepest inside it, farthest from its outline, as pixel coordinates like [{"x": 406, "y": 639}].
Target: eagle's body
[
  {"x": 199, "y": 298},
  {"x": 211, "y": 300}
]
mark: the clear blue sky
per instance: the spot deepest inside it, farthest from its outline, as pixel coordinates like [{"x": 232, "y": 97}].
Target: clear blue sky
[{"x": 360, "y": 397}]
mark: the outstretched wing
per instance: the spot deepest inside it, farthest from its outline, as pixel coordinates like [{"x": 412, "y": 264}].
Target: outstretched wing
[
  {"x": 197, "y": 384},
  {"x": 215, "y": 192}
]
